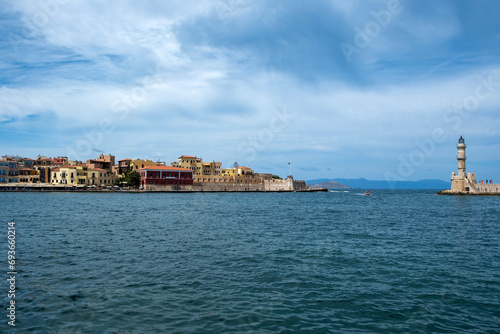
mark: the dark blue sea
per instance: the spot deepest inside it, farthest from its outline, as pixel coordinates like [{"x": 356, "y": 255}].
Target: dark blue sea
[{"x": 336, "y": 262}]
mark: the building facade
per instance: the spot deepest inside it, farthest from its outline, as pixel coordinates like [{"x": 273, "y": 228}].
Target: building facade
[
  {"x": 82, "y": 175},
  {"x": 100, "y": 177},
  {"x": 10, "y": 166},
  {"x": 4, "y": 171},
  {"x": 162, "y": 176},
  {"x": 28, "y": 175},
  {"x": 64, "y": 175},
  {"x": 240, "y": 175},
  {"x": 124, "y": 166},
  {"x": 202, "y": 171}
]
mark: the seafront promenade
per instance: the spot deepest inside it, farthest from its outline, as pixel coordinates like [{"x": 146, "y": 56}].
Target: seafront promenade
[{"x": 180, "y": 189}]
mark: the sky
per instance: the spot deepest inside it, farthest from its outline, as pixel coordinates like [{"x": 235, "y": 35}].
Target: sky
[{"x": 338, "y": 89}]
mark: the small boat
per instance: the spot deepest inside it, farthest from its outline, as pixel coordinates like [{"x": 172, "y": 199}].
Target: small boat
[{"x": 367, "y": 193}]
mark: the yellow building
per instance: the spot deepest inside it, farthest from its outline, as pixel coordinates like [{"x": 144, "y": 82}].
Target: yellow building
[
  {"x": 82, "y": 175},
  {"x": 28, "y": 175},
  {"x": 64, "y": 175},
  {"x": 143, "y": 163},
  {"x": 240, "y": 175},
  {"x": 190, "y": 162},
  {"x": 100, "y": 177},
  {"x": 203, "y": 172}
]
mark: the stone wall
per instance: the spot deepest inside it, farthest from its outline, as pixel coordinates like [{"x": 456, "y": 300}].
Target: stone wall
[
  {"x": 468, "y": 187},
  {"x": 299, "y": 185},
  {"x": 206, "y": 187},
  {"x": 486, "y": 188},
  {"x": 284, "y": 185},
  {"x": 266, "y": 185}
]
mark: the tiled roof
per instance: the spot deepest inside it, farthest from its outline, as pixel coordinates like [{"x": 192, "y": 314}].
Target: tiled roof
[{"x": 188, "y": 157}]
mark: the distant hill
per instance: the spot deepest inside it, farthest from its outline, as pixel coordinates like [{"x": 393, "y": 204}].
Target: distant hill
[
  {"x": 370, "y": 184},
  {"x": 329, "y": 185}
]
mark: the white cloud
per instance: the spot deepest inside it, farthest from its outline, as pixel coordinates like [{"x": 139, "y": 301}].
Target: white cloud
[{"x": 204, "y": 98}]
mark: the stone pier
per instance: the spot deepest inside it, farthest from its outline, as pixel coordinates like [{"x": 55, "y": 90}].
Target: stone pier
[{"x": 464, "y": 183}]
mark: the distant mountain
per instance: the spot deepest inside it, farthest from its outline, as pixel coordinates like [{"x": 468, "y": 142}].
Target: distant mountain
[
  {"x": 370, "y": 184},
  {"x": 329, "y": 185}
]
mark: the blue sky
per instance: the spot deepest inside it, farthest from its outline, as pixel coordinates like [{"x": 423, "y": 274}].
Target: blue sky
[{"x": 351, "y": 88}]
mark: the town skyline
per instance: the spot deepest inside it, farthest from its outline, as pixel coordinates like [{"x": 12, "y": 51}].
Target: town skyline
[
  {"x": 189, "y": 173},
  {"x": 376, "y": 89}
]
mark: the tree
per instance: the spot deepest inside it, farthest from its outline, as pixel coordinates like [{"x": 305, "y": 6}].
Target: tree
[
  {"x": 276, "y": 177},
  {"x": 133, "y": 179},
  {"x": 119, "y": 181}
]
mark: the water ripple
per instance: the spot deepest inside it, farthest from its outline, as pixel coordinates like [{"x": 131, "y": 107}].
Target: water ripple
[{"x": 261, "y": 263}]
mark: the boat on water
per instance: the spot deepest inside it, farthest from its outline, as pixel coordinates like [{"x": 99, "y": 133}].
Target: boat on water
[{"x": 367, "y": 193}]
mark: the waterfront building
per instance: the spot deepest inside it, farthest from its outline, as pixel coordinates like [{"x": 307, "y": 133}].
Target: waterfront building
[
  {"x": 240, "y": 175},
  {"x": 100, "y": 177},
  {"x": 20, "y": 170},
  {"x": 43, "y": 166},
  {"x": 4, "y": 171},
  {"x": 28, "y": 175},
  {"x": 190, "y": 162},
  {"x": 154, "y": 177},
  {"x": 12, "y": 170},
  {"x": 81, "y": 174},
  {"x": 202, "y": 171},
  {"x": 64, "y": 175},
  {"x": 212, "y": 168}
]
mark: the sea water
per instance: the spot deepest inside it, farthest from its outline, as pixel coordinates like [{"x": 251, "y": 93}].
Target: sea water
[{"x": 395, "y": 261}]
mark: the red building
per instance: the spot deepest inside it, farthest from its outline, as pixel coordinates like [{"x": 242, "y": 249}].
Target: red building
[{"x": 165, "y": 175}]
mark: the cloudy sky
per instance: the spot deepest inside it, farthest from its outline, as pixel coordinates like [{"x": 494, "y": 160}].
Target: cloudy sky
[{"x": 339, "y": 88}]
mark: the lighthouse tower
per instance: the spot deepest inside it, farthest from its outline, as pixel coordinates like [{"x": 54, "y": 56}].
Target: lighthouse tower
[
  {"x": 460, "y": 182},
  {"x": 461, "y": 158}
]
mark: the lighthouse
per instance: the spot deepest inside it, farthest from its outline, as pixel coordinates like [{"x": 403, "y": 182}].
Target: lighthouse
[
  {"x": 461, "y": 158},
  {"x": 462, "y": 182}
]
